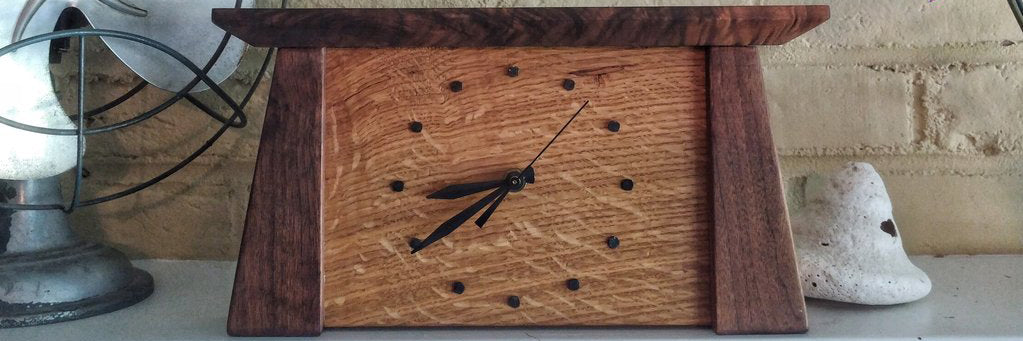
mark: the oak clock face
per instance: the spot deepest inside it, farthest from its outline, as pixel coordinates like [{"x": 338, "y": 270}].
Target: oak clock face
[{"x": 610, "y": 225}]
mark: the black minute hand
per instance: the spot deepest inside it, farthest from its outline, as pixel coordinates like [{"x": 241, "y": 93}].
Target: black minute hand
[{"x": 490, "y": 210}]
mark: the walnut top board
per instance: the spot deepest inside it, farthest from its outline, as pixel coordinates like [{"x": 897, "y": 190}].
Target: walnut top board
[{"x": 548, "y": 26}]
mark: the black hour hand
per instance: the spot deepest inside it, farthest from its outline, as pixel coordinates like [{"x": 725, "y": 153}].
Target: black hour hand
[
  {"x": 451, "y": 224},
  {"x": 461, "y": 190}
]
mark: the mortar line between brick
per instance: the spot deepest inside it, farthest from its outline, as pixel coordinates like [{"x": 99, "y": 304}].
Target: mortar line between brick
[
  {"x": 919, "y": 111},
  {"x": 973, "y": 54},
  {"x": 909, "y": 165}
]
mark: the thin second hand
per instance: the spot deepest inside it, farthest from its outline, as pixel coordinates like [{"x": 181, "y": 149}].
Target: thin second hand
[{"x": 558, "y": 134}]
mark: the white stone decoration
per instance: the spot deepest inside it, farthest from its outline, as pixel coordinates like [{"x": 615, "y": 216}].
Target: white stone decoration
[{"x": 848, "y": 244}]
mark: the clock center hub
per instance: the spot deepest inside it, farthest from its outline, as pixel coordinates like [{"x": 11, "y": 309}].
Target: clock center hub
[{"x": 515, "y": 181}]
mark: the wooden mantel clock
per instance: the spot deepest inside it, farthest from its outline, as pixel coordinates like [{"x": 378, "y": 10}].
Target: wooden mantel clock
[{"x": 394, "y": 185}]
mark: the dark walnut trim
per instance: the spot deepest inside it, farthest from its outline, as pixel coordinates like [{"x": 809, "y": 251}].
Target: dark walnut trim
[
  {"x": 756, "y": 285},
  {"x": 499, "y": 27},
  {"x": 278, "y": 284}
]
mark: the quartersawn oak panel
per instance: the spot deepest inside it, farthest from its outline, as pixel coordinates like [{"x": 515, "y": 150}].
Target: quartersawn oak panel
[{"x": 553, "y": 230}]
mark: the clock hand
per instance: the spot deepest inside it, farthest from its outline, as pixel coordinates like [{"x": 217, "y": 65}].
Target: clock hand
[
  {"x": 490, "y": 210},
  {"x": 451, "y": 224},
  {"x": 457, "y": 191},
  {"x": 461, "y": 190},
  {"x": 529, "y": 167},
  {"x": 527, "y": 173}
]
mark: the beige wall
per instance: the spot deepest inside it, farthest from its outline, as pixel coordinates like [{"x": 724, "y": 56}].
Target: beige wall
[{"x": 928, "y": 92}]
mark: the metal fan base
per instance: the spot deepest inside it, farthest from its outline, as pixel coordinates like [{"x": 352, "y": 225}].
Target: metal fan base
[
  {"x": 79, "y": 270},
  {"x": 47, "y": 273}
]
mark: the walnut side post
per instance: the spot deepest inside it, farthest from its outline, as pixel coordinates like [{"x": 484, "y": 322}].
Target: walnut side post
[
  {"x": 756, "y": 283},
  {"x": 278, "y": 283}
]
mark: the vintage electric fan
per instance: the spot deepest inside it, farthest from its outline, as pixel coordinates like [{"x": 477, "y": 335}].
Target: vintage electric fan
[{"x": 47, "y": 273}]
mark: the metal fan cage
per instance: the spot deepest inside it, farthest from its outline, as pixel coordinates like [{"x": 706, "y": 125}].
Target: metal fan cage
[
  {"x": 237, "y": 119},
  {"x": 1017, "y": 11}
]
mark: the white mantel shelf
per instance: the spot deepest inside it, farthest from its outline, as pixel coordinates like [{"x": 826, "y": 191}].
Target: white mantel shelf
[{"x": 974, "y": 297}]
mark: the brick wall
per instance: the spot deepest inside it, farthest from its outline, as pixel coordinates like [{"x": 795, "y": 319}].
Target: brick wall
[{"x": 927, "y": 91}]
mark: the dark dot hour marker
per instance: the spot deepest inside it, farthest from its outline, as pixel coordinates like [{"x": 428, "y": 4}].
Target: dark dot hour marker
[
  {"x": 627, "y": 184},
  {"x": 614, "y": 126},
  {"x": 572, "y": 284},
  {"x": 415, "y": 126},
  {"x": 568, "y": 84},
  {"x": 513, "y": 301},
  {"x": 457, "y": 287},
  {"x": 513, "y": 71},
  {"x": 455, "y": 86},
  {"x": 398, "y": 186},
  {"x": 613, "y": 242}
]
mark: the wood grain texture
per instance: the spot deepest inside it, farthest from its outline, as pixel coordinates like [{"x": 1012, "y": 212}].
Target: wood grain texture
[
  {"x": 277, "y": 288},
  {"x": 756, "y": 285},
  {"x": 550, "y": 232},
  {"x": 493, "y": 27}
]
